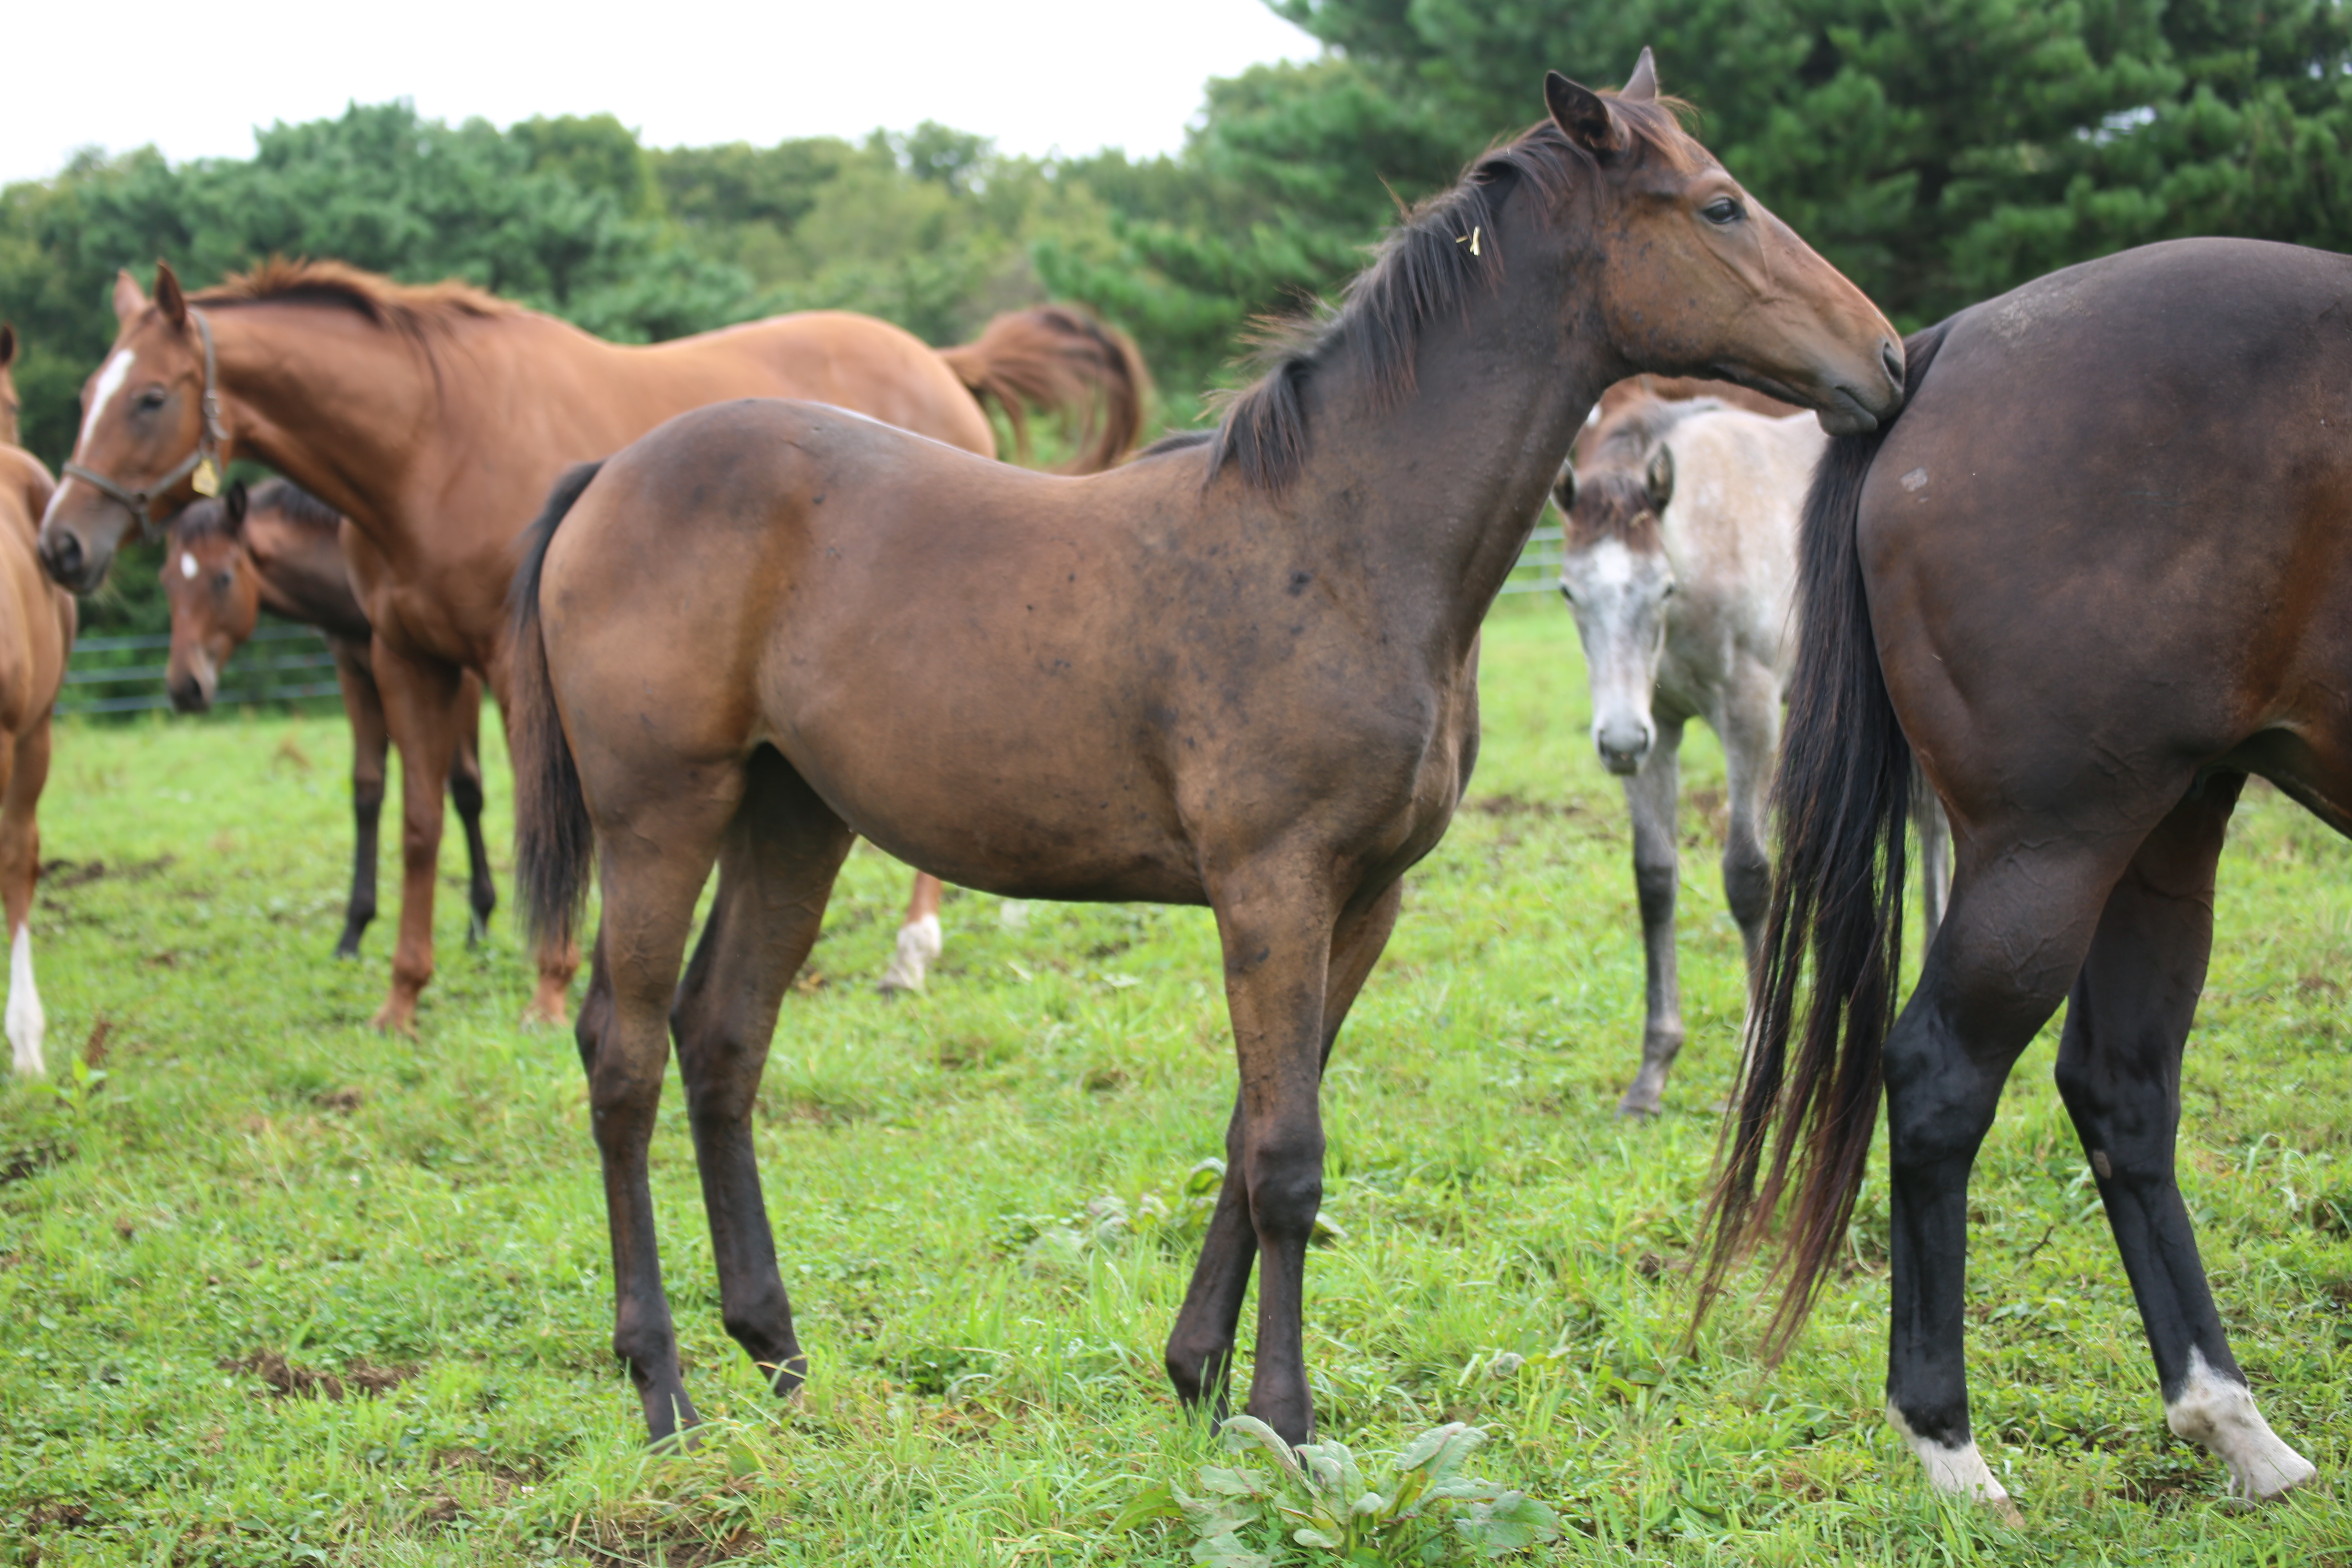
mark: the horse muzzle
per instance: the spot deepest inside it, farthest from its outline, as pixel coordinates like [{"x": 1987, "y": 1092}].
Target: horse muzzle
[
  {"x": 1623, "y": 747},
  {"x": 69, "y": 565},
  {"x": 192, "y": 684}
]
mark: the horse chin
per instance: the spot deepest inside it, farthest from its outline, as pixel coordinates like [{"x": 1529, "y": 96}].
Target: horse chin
[{"x": 1844, "y": 415}]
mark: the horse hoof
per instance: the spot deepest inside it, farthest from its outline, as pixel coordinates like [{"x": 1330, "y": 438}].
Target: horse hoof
[
  {"x": 1630, "y": 1108},
  {"x": 392, "y": 1018}
]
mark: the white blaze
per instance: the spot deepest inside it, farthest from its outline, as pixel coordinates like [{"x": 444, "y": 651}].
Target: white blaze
[
  {"x": 109, "y": 382},
  {"x": 187, "y": 564},
  {"x": 27, "y": 1023}
]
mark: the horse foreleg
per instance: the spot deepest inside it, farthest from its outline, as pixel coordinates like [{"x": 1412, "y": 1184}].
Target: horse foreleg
[
  {"x": 420, "y": 703},
  {"x": 2119, "y": 1070},
  {"x": 363, "y": 709},
  {"x": 1654, "y": 796},
  {"x": 776, "y": 868},
  {"x": 920, "y": 941},
  {"x": 1201, "y": 1347},
  {"x": 24, "y": 769},
  {"x": 465, "y": 795},
  {"x": 2012, "y": 941}
]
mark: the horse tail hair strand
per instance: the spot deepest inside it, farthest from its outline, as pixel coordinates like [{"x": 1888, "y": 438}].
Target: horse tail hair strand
[
  {"x": 1062, "y": 360},
  {"x": 555, "y": 842},
  {"x": 1840, "y": 805}
]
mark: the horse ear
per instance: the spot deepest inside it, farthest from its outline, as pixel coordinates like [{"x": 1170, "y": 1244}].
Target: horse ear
[
  {"x": 1584, "y": 115},
  {"x": 168, "y": 297},
  {"x": 1660, "y": 479},
  {"x": 1643, "y": 85},
  {"x": 1563, "y": 488},
  {"x": 234, "y": 502},
  {"x": 127, "y": 301}
]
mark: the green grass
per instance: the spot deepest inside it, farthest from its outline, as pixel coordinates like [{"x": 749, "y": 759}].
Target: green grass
[{"x": 258, "y": 1175}]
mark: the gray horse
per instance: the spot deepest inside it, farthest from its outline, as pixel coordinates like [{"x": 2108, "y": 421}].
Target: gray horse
[{"x": 1681, "y": 567}]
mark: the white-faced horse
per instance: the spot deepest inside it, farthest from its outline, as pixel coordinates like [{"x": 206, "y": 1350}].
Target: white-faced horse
[{"x": 1681, "y": 528}]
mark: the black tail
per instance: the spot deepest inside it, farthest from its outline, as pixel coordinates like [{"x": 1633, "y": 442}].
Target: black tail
[
  {"x": 1840, "y": 803},
  {"x": 555, "y": 844}
]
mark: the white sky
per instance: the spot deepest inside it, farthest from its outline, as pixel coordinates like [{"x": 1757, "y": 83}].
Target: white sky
[{"x": 1035, "y": 74}]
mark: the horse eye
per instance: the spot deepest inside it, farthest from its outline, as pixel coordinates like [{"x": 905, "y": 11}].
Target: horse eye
[
  {"x": 224, "y": 581},
  {"x": 1669, "y": 592},
  {"x": 151, "y": 399},
  {"x": 1723, "y": 209}
]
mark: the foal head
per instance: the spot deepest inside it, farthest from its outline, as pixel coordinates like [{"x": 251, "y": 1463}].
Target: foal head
[
  {"x": 1697, "y": 276},
  {"x": 147, "y": 436},
  {"x": 214, "y": 593},
  {"x": 1615, "y": 574}
]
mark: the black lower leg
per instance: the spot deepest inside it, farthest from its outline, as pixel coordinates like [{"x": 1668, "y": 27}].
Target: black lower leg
[
  {"x": 481, "y": 887},
  {"x": 367, "y": 813}
]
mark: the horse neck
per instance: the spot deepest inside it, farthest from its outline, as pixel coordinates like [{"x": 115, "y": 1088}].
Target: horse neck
[
  {"x": 336, "y": 404},
  {"x": 1441, "y": 487}
]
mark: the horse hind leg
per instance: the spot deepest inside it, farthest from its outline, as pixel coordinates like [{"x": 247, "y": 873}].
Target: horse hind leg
[
  {"x": 776, "y": 868},
  {"x": 1935, "y": 831},
  {"x": 2119, "y": 1070},
  {"x": 651, "y": 877},
  {"x": 1653, "y": 797},
  {"x": 2012, "y": 941},
  {"x": 920, "y": 938},
  {"x": 24, "y": 769}
]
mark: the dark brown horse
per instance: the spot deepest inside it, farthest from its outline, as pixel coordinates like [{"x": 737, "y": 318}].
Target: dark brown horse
[
  {"x": 434, "y": 419},
  {"x": 282, "y": 549},
  {"x": 2098, "y": 573},
  {"x": 1240, "y": 672}
]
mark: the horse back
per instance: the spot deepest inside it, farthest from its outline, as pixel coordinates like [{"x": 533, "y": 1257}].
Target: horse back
[{"x": 2111, "y": 534}]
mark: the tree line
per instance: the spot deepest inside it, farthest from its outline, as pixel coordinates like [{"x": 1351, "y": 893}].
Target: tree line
[{"x": 1938, "y": 150}]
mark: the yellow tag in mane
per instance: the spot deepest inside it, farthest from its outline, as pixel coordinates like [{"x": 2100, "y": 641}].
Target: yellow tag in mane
[{"x": 205, "y": 480}]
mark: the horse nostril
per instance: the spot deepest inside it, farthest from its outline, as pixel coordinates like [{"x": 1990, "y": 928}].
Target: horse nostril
[
  {"x": 63, "y": 557},
  {"x": 1890, "y": 353}
]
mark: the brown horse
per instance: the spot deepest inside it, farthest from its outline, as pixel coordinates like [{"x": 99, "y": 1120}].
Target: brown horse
[
  {"x": 2094, "y": 577},
  {"x": 436, "y": 418},
  {"x": 36, "y": 631},
  {"x": 1241, "y": 672},
  {"x": 279, "y": 550}
]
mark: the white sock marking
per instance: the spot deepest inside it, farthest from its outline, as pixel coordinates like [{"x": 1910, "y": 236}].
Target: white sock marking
[
  {"x": 1955, "y": 1471},
  {"x": 919, "y": 943},
  {"x": 27, "y": 1023},
  {"x": 2220, "y": 1413}
]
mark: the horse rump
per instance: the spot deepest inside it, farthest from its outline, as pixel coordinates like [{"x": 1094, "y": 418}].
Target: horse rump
[
  {"x": 1841, "y": 805},
  {"x": 1060, "y": 359},
  {"x": 555, "y": 842}
]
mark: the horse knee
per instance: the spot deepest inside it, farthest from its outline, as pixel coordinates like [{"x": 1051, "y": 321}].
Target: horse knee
[
  {"x": 1653, "y": 882},
  {"x": 1746, "y": 883}
]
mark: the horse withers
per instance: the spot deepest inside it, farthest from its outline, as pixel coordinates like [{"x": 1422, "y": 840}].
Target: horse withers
[
  {"x": 1680, "y": 525},
  {"x": 283, "y": 550},
  {"x": 37, "y": 632},
  {"x": 2094, "y": 578},
  {"x": 1239, "y": 671}
]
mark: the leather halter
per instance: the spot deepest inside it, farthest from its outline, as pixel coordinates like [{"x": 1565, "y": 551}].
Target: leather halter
[{"x": 208, "y": 445}]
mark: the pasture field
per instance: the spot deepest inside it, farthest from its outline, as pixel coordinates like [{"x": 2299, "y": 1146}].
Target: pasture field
[{"x": 276, "y": 1289}]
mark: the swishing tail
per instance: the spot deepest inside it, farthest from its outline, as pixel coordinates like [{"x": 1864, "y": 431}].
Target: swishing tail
[
  {"x": 1840, "y": 803},
  {"x": 555, "y": 843},
  {"x": 1059, "y": 358}
]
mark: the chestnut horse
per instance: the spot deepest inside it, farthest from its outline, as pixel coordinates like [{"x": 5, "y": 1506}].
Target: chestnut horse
[
  {"x": 1679, "y": 562},
  {"x": 36, "y": 631},
  {"x": 436, "y": 418},
  {"x": 1240, "y": 672},
  {"x": 2093, "y": 578},
  {"x": 279, "y": 550}
]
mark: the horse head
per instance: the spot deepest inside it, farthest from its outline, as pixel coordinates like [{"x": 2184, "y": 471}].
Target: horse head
[
  {"x": 1617, "y": 579},
  {"x": 215, "y": 596},
  {"x": 1699, "y": 277},
  {"x": 149, "y": 434}
]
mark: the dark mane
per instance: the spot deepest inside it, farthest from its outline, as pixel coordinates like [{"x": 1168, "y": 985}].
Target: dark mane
[
  {"x": 298, "y": 506},
  {"x": 412, "y": 309},
  {"x": 1612, "y": 490},
  {"x": 1420, "y": 270}
]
